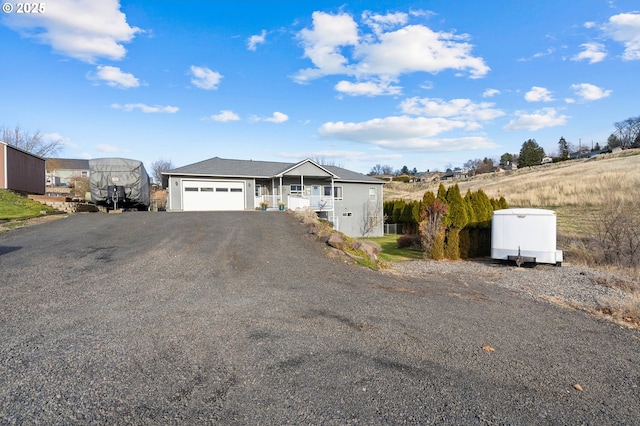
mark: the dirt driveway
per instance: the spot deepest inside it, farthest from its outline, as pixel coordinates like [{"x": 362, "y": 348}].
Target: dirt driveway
[{"x": 239, "y": 318}]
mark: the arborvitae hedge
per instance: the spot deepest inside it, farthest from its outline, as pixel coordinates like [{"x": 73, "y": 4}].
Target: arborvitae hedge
[{"x": 472, "y": 215}]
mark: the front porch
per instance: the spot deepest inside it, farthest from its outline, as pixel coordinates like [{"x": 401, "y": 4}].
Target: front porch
[{"x": 316, "y": 203}]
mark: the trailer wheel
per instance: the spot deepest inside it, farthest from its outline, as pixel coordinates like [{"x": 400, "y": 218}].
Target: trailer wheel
[{"x": 558, "y": 264}]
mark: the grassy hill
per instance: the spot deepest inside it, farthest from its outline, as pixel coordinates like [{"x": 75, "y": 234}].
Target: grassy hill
[
  {"x": 15, "y": 207},
  {"x": 578, "y": 190}
]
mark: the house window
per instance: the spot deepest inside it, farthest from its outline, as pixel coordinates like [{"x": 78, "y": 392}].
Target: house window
[
  {"x": 236, "y": 189},
  {"x": 84, "y": 173},
  {"x": 190, "y": 189},
  {"x": 373, "y": 194},
  {"x": 296, "y": 189},
  {"x": 222, "y": 189},
  {"x": 337, "y": 192}
]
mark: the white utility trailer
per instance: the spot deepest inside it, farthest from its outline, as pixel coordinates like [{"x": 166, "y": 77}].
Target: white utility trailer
[{"x": 525, "y": 236}]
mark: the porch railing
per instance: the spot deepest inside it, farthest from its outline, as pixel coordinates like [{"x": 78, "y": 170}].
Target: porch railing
[
  {"x": 316, "y": 203},
  {"x": 273, "y": 200}
]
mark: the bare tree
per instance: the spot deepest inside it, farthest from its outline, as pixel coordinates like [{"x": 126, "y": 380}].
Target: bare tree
[
  {"x": 35, "y": 143},
  {"x": 617, "y": 232},
  {"x": 627, "y": 132},
  {"x": 371, "y": 217},
  {"x": 159, "y": 166},
  {"x": 376, "y": 170}
]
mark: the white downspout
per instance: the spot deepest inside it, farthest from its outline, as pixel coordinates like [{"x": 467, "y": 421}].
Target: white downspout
[{"x": 333, "y": 203}]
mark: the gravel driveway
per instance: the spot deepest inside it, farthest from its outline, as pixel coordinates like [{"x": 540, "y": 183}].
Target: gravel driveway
[{"x": 239, "y": 318}]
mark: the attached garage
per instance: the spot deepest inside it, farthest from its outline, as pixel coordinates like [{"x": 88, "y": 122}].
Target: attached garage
[{"x": 208, "y": 195}]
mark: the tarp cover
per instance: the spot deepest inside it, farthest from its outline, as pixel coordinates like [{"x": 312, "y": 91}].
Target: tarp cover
[{"x": 119, "y": 171}]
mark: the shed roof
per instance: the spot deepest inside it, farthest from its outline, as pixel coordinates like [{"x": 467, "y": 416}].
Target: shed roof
[{"x": 69, "y": 163}]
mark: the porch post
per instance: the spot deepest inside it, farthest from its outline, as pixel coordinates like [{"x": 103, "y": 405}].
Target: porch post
[
  {"x": 281, "y": 193},
  {"x": 273, "y": 191}
]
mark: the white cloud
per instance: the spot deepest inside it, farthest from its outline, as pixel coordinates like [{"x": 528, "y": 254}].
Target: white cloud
[
  {"x": 545, "y": 117},
  {"x": 625, "y": 28},
  {"x": 146, "y": 108},
  {"x": 593, "y": 52},
  {"x": 379, "y": 23},
  {"x": 403, "y": 132},
  {"x": 537, "y": 55},
  {"x": 114, "y": 77},
  {"x": 84, "y": 30},
  {"x": 367, "y": 88},
  {"x": 323, "y": 43},
  {"x": 277, "y": 117},
  {"x": 224, "y": 116},
  {"x": 337, "y": 46},
  {"x": 489, "y": 93},
  {"x": 255, "y": 40},
  {"x": 590, "y": 92},
  {"x": 461, "y": 109},
  {"x": 103, "y": 147},
  {"x": 538, "y": 94},
  {"x": 204, "y": 78}
]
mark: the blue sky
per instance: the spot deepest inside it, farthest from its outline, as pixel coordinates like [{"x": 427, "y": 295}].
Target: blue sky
[{"x": 426, "y": 84}]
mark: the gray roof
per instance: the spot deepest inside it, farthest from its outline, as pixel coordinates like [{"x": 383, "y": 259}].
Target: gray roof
[
  {"x": 70, "y": 163},
  {"x": 223, "y": 167}
]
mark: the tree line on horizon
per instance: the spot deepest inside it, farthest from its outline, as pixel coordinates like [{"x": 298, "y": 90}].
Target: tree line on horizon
[{"x": 625, "y": 136}]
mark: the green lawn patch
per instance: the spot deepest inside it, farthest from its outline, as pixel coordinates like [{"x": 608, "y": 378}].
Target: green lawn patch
[
  {"x": 391, "y": 252},
  {"x": 16, "y": 207}
]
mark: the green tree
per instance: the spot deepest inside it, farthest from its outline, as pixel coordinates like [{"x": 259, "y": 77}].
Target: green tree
[
  {"x": 456, "y": 220},
  {"x": 506, "y": 159},
  {"x": 458, "y": 216},
  {"x": 531, "y": 154},
  {"x": 442, "y": 192},
  {"x": 563, "y": 149}
]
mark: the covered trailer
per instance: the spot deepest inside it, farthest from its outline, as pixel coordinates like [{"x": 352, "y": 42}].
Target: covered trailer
[
  {"x": 525, "y": 236},
  {"x": 119, "y": 183}
]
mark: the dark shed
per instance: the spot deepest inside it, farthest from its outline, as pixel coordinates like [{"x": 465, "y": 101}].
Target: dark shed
[{"x": 21, "y": 171}]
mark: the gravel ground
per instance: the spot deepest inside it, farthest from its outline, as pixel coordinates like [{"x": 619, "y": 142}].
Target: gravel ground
[
  {"x": 241, "y": 318},
  {"x": 576, "y": 286}
]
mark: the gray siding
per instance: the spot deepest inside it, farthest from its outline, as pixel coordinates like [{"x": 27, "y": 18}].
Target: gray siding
[{"x": 351, "y": 211}]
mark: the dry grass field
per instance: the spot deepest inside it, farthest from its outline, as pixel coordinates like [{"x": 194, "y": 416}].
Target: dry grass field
[
  {"x": 584, "y": 194},
  {"x": 580, "y": 191}
]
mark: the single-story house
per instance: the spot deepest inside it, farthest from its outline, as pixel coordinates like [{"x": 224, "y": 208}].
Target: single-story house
[
  {"x": 20, "y": 170},
  {"x": 351, "y": 200},
  {"x": 63, "y": 171}
]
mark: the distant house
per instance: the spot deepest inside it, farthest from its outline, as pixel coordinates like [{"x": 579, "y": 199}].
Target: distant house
[
  {"x": 63, "y": 171},
  {"x": 456, "y": 173},
  {"x": 546, "y": 160},
  {"x": 20, "y": 170},
  {"x": 352, "y": 201},
  {"x": 429, "y": 177}
]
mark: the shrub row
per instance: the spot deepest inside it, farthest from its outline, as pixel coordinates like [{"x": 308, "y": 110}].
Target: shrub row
[{"x": 447, "y": 225}]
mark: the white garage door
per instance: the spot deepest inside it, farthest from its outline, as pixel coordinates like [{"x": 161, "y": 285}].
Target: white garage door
[{"x": 204, "y": 195}]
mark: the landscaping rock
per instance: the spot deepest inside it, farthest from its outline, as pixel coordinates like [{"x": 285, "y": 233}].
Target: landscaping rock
[
  {"x": 336, "y": 240},
  {"x": 369, "y": 247}
]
